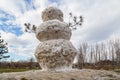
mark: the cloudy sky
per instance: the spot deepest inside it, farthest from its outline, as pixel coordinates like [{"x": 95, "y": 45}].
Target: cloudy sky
[{"x": 101, "y": 22}]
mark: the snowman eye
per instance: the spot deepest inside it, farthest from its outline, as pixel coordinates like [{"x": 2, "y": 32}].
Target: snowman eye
[
  {"x": 56, "y": 31},
  {"x": 49, "y": 11}
]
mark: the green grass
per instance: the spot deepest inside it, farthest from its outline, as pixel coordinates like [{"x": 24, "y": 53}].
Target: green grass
[{"x": 14, "y": 70}]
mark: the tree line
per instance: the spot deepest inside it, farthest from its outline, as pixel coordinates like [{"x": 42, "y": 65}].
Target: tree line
[
  {"x": 99, "y": 54},
  {"x": 29, "y": 64}
]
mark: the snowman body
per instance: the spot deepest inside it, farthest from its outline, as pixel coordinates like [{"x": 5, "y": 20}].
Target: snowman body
[{"x": 55, "y": 52}]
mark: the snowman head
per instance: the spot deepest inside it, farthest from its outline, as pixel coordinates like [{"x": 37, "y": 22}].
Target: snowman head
[{"x": 52, "y": 13}]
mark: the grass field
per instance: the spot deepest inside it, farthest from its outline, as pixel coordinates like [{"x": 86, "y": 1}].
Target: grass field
[{"x": 14, "y": 70}]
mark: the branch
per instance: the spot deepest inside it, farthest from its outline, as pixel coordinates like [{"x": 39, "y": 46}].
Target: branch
[
  {"x": 29, "y": 28},
  {"x": 76, "y": 21}
]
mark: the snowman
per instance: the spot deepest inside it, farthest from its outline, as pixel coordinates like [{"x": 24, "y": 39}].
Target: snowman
[{"x": 55, "y": 52}]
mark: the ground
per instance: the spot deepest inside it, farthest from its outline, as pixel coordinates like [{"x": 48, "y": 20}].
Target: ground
[{"x": 83, "y": 74}]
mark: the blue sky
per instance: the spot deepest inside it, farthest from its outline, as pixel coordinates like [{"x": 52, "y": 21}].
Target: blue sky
[{"x": 101, "y": 22}]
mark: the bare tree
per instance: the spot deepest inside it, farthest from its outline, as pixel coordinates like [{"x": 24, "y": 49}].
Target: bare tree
[
  {"x": 117, "y": 50},
  {"x": 82, "y": 54},
  {"x": 30, "y": 63},
  {"x": 91, "y": 54}
]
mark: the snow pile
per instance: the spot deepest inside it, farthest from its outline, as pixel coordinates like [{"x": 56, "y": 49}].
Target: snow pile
[{"x": 84, "y": 74}]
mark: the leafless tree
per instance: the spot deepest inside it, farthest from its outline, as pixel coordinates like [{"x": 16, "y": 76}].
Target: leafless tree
[
  {"x": 117, "y": 50},
  {"x": 82, "y": 54}
]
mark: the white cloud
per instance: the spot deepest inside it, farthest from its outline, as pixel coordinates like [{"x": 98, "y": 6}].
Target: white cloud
[
  {"x": 101, "y": 20},
  {"x": 41, "y": 4},
  {"x": 13, "y": 7},
  {"x": 34, "y": 16},
  {"x": 23, "y": 45},
  {"x": 2, "y": 15}
]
